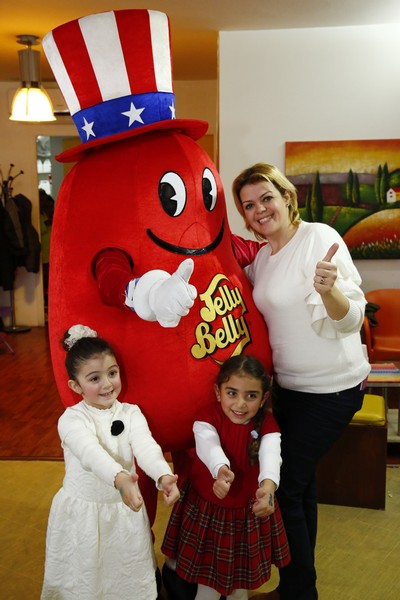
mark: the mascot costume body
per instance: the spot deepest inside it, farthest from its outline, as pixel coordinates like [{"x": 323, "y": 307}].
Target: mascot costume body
[{"x": 141, "y": 247}]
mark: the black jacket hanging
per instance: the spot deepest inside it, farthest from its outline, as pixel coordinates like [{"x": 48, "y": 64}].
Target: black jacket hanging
[
  {"x": 8, "y": 240},
  {"x": 31, "y": 260}
]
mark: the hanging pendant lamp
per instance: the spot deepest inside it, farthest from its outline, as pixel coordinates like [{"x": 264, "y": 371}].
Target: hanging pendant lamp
[{"x": 31, "y": 102}]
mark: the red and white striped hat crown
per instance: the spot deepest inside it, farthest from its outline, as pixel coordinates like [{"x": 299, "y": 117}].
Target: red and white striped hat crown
[{"x": 114, "y": 70}]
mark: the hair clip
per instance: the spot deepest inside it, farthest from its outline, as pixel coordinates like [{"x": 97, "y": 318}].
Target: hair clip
[
  {"x": 254, "y": 434},
  {"x": 77, "y": 332}
]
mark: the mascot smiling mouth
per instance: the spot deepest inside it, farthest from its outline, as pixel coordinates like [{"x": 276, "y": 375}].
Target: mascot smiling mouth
[{"x": 187, "y": 251}]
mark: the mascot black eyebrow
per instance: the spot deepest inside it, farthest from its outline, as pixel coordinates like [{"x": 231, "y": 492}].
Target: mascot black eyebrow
[{"x": 141, "y": 248}]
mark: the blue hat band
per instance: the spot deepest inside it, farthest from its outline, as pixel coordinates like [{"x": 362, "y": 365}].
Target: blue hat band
[{"x": 124, "y": 114}]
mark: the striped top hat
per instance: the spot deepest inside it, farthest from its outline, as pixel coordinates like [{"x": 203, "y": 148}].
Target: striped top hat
[{"x": 114, "y": 70}]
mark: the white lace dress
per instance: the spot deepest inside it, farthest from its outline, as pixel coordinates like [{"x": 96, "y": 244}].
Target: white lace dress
[{"x": 96, "y": 547}]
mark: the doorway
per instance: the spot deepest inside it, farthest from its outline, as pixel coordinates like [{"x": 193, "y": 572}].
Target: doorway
[{"x": 50, "y": 176}]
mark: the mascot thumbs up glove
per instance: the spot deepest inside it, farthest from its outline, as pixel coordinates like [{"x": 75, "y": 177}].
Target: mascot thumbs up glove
[{"x": 159, "y": 296}]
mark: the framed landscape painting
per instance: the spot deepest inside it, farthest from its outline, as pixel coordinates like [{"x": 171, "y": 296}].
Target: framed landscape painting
[{"x": 354, "y": 186}]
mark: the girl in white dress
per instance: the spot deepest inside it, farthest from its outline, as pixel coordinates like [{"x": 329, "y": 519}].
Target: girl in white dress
[{"x": 99, "y": 544}]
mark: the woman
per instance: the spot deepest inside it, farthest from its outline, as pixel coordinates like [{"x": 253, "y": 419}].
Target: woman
[{"x": 308, "y": 290}]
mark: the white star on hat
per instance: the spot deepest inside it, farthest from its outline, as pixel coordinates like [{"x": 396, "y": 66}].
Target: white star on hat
[
  {"x": 88, "y": 128},
  {"x": 134, "y": 114}
]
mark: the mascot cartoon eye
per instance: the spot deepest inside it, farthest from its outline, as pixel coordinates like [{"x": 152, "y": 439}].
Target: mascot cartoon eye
[
  {"x": 172, "y": 193},
  {"x": 209, "y": 189}
]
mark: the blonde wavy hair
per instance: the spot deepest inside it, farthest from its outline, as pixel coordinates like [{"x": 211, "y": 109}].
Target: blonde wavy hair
[{"x": 266, "y": 172}]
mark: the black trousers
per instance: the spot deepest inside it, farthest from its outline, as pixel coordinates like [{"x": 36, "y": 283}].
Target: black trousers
[{"x": 310, "y": 424}]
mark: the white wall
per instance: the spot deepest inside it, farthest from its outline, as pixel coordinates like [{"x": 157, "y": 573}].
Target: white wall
[
  {"x": 194, "y": 99},
  {"x": 319, "y": 84}
]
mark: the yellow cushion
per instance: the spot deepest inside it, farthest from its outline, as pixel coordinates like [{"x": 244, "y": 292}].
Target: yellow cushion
[{"x": 372, "y": 412}]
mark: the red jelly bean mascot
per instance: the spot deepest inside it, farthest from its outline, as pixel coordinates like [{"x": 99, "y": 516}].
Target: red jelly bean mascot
[{"x": 141, "y": 249}]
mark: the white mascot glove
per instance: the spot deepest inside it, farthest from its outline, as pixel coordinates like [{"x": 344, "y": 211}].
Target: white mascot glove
[{"x": 159, "y": 296}]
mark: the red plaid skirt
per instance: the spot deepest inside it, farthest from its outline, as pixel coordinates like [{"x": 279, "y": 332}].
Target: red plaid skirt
[{"x": 224, "y": 548}]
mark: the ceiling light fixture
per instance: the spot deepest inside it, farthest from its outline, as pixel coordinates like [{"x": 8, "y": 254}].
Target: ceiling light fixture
[{"x": 31, "y": 102}]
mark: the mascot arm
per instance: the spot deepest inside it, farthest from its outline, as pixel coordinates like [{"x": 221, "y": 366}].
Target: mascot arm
[
  {"x": 245, "y": 251},
  {"x": 113, "y": 270},
  {"x": 155, "y": 296}
]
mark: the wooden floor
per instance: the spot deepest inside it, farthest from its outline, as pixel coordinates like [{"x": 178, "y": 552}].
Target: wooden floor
[{"x": 30, "y": 405}]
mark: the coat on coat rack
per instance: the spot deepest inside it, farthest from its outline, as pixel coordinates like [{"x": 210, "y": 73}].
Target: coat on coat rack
[{"x": 19, "y": 240}]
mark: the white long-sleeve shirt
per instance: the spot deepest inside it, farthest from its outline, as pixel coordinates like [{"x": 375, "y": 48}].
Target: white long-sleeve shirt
[
  {"x": 311, "y": 352},
  {"x": 210, "y": 451}
]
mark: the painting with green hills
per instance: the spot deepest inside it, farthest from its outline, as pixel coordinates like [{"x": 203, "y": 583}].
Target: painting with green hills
[{"x": 354, "y": 186}]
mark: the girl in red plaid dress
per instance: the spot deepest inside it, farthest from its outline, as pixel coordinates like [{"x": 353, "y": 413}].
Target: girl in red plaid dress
[{"x": 226, "y": 530}]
